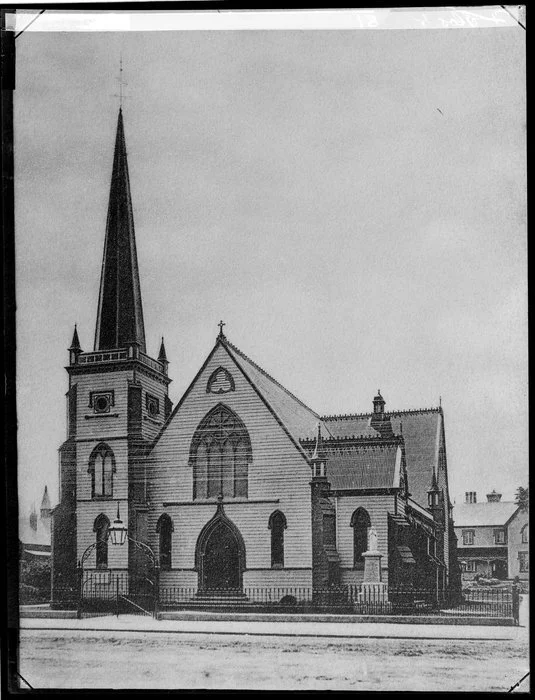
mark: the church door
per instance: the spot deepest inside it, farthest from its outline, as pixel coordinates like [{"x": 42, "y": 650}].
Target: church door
[{"x": 221, "y": 560}]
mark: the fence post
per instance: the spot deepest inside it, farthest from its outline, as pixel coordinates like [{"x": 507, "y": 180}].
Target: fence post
[
  {"x": 80, "y": 592},
  {"x": 156, "y": 590},
  {"x": 516, "y": 603},
  {"x": 117, "y": 595}
]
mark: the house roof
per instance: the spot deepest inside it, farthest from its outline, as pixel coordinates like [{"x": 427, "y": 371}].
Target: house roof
[
  {"x": 481, "y": 514},
  {"x": 300, "y": 420},
  {"x": 362, "y": 466},
  {"x": 421, "y": 433}
]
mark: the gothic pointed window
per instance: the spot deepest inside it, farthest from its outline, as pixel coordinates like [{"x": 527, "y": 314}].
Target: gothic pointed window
[
  {"x": 165, "y": 529},
  {"x": 100, "y": 528},
  {"x": 220, "y": 455},
  {"x": 361, "y": 523},
  {"x": 101, "y": 468},
  {"x": 277, "y": 525}
]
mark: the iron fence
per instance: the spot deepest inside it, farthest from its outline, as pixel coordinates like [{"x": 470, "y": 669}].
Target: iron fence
[
  {"x": 356, "y": 599},
  {"x": 117, "y": 592},
  {"x": 110, "y": 592}
]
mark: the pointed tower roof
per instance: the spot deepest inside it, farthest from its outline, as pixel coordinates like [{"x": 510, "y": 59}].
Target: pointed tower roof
[
  {"x": 120, "y": 312},
  {"x": 75, "y": 343},
  {"x": 45, "y": 503},
  {"x": 162, "y": 356},
  {"x": 434, "y": 484}
]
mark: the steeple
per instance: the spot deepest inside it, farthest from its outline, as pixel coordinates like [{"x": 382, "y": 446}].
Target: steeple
[
  {"x": 120, "y": 312},
  {"x": 45, "y": 504}
]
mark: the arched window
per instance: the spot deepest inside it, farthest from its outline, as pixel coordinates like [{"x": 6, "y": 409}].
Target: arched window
[
  {"x": 165, "y": 527},
  {"x": 277, "y": 525},
  {"x": 524, "y": 534},
  {"x": 360, "y": 522},
  {"x": 101, "y": 468},
  {"x": 100, "y": 527},
  {"x": 220, "y": 455}
]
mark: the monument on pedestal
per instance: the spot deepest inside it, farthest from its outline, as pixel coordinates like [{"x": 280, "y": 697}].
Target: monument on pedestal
[{"x": 373, "y": 589}]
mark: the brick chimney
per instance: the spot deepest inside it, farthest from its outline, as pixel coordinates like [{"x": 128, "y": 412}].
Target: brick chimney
[
  {"x": 470, "y": 497},
  {"x": 494, "y": 497}
]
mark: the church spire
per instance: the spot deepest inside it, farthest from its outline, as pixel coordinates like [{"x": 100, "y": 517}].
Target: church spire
[
  {"x": 45, "y": 504},
  {"x": 120, "y": 312}
]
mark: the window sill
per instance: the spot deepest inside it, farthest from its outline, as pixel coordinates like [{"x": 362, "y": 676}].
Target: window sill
[
  {"x": 102, "y": 498},
  {"x": 101, "y": 415}
]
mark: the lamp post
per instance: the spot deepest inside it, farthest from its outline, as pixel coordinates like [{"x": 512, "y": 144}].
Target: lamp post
[{"x": 117, "y": 534}]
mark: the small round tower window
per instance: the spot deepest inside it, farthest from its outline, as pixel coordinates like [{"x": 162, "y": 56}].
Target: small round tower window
[{"x": 102, "y": 404}]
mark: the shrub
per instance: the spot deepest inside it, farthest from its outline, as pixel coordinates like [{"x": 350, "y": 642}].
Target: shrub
[
  {"x": 288, "y": 600},
  {"x": 34, "y": 581}
]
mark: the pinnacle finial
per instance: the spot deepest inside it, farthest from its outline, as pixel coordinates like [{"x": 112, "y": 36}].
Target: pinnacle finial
[
  {"x": 318, "y": 442},
  {"x": 162, "y": 355},
  {"x": 221, "y": 324},
  {"x": 75, "y": 343}
]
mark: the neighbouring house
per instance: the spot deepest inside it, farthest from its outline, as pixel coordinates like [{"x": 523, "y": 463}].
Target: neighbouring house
[
  {"x": 35, "y": 531},
  {"x": 241, "y": 485},
  {"x": 492, "y": 537}
]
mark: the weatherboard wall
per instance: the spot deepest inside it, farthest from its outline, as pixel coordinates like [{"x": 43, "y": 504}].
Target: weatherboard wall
[{"x": 279, "y": 479}]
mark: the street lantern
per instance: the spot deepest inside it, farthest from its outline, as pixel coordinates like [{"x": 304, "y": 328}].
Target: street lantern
[{"x": 118, "y": 532}]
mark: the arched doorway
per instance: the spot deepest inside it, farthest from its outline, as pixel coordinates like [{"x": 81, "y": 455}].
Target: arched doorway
[{"x": 220, "y": 555}]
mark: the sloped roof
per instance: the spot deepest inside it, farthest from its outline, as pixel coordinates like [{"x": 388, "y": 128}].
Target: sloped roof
[
  {"x": 300, "y": 420},
  {"x": 362, "y": 466},
  {"x": 480, "y": 514},
  {"x": 420, "y": 429}
]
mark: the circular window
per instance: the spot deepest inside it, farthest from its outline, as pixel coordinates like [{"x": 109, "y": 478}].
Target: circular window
[{"x": 102, "y": 404}]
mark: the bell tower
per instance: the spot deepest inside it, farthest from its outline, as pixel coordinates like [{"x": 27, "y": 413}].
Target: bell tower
[{"x": 117, "y": 400}]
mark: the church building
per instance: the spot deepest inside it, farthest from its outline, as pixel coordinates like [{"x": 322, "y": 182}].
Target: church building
[{"x": 239, "y": 486}]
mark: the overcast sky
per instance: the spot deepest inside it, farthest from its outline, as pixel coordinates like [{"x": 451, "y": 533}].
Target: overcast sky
[{"x": 351, "y": 204}]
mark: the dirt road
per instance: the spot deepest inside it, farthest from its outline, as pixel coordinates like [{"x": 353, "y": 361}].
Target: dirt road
[{"x": 84, "y": 659}]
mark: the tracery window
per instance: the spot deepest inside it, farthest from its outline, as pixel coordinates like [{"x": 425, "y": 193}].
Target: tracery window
[
  {"x": 220, "y": 455},
  {"x": 101, "y": 468},
  {"x": 277, "y": 525},
  {"x": 165, "y": 529},
  {"x": 361, "y": 523},
  {"x": 100, "y": 528}
]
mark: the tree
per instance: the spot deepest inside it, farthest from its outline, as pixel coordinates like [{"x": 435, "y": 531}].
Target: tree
[{"x": 522, "y": 498}]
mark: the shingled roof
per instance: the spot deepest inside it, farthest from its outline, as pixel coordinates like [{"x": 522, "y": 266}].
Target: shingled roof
[
  {"x": 421, "y": 429},
  {"x": 300, "y": 420},
  {"x": 363, "y": 466}
]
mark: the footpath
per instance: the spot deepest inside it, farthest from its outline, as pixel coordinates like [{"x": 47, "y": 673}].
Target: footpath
[{"x": 32, "y": 618}]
